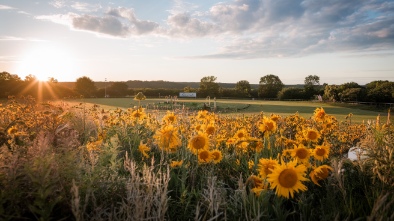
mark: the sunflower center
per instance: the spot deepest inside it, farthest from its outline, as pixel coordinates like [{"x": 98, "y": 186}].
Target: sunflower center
[
  {"x": 320, "y": 151},
  {"x": 312, "y": 135},
  {"x": 204, "y": 155},
  {"x": 240, "y": 135},
  {"x": 198, "y": 143},
  {"x": 288, "y": 178},
  {"x": 302, "y": 153}
]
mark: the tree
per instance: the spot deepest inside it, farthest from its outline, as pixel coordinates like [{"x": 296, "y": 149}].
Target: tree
[
  {"x": 380, "y": 91},
  {"x": 243, "y": 88},
  {"x": 30, "y": 78},
  {"x": 311, "y": 84},
  {"x": 269, "y": 86},
  {"x": 9, "y": 84},
  {"x": 291, "y": 93},
  {"x": 208, "y": 87},
  {"x": 85, "y": 87},
  {"x": 118, "y": 89}
]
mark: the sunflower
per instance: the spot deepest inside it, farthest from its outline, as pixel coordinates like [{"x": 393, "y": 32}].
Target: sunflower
[
  {"x": 266, "y": 165},
  {"x": 167, "y": 138},
  {"x": 286, "y": 179},
  {"x": 255, "y": 181},
  {"x": 138, "y": 114},
  {"x": 210, "y": 129},
  {"x": 267, "y": 126},
  {"x": 320, "y": 173},
  {"x": 241, "y": 134},
  {"x": 301, "y": 153},
  {"x": 275, "y": 117},
  {"x": 198, "y": 142},
  {"x": 170, "y": 117},
  {"x": 319, "y": 114},
  {"x": 204, "y": 156},
  {"x": 175, "y": 164},
  {"x": 12, "y": 130},
  {"x": 94, "y": 146},
  {"x": 217, "y": 156},
  {"x": 143, "y": 148},
  {"x": 311, "y": 135},
  {"x": 321, "y": 152}
]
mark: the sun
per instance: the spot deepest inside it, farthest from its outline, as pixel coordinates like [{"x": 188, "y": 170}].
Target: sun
[{"x": 47, "y": 61}]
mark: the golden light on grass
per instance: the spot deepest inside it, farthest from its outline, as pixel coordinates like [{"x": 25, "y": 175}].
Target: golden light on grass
[{"x": 287, "y": 179}]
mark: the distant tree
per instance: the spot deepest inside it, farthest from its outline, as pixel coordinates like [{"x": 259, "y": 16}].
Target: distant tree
[
  {"x": 85, "y": 87},
  {"x": 117, "y": 89},
  {"x": 331, "y": 93},
  {"x": 30, "y": 78},
  {"x": 9, "y": 84},
  {"x": 311, "y": 84},
  {"x": 208, "y": 87},
  {"x": 269, "y": 86},
  {"x": 243, "y": 88},
  {"x": 291, "y": 93},
  {"x": 187, "y": 89},
  {"x": 380, "y": 91},
  {"x": 52, "y": 80}
]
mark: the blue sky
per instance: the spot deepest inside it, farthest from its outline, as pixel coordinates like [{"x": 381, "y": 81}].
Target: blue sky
[{"x": 174, "y": 40}]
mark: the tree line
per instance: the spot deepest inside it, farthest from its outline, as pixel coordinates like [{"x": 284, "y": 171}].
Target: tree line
[{"x": 270, "y": 87}]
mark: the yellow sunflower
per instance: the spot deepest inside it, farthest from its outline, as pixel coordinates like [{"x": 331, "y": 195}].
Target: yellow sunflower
[
  {"x": 301, "y": 153},
  {"x": 267, "y": 126},
  {"x": 287, "y": 179},
  {"x": 241, "y": 134},
  {"x": 217, "y": 156},
  {"x": 198, "y": 142},
  {"x": 311, "y": 134},
  {"x": 266, "y": 165},
  {"x": 167, "y": 138},
  {"x": 170, "y": 117},
  {"x": 319, "y": 114},
  {"x": 143, "y": 148},
  {"x": 210, "y": 129},
  {"x": 321, "y": 152},
  {"x": 175, "y": 164},
  {"x": 204, "y": 156},
  {"x": 138, "y": 114},
  {"x": 320, "y": 173},
  {"x": 275, "y": 117}
]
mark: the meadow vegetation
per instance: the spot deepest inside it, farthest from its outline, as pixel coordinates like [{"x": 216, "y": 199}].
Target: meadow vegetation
[{"x": 86, "y": 162}]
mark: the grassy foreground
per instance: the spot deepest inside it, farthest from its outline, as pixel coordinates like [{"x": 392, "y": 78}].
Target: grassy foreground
[{"x": 87, "y": 162}]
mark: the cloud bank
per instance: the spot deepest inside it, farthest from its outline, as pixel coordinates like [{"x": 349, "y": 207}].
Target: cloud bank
[{"x": 256, "y": 28}]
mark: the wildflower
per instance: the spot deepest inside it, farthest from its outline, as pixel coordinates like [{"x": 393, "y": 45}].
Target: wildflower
[
  {"x": 241, "y": 134},
  {"x": 175, "y": 164},
  {"x": 301, "y": 153},
  {"x": 311, "y": 135},
  {"x": 250, "y": 164},
  {"x": 143, "y": 148},
  {"x": 320, "y": 173},
  {"x": 167, "y": 138},
  {"x": 198, "y": 142},
  {"x": 319, "y": 115},
  {"x": 204, "y": 156},
  {"x": 286, "y": 179},
  {"x": 321, "y": 152},
  {"x": 216, "y": 156},
  {"x": 170, "y": 117},
  {"x": 210, "y": 129},
  {"x": 267, "y": 126},
  {"x": 266, "y": 165}
]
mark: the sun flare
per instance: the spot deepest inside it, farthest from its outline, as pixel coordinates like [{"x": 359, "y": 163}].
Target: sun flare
[{"x": 48, "y": 61}]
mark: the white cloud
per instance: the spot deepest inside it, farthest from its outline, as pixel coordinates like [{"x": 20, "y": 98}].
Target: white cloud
[
  {"x": 5, "y": 7},
  {"x": 58, "y": 3},
  {"x": 86, "y": 7}
]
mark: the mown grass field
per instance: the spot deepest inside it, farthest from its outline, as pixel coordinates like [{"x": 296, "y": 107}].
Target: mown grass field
[{"x": 232, "y": 106}]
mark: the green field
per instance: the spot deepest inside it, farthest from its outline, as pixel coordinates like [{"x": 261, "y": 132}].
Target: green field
[{"x": 236, "y": 107}]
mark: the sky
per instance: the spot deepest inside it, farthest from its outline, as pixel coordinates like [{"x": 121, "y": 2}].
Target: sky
[{"x": 183, "y": 41}]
